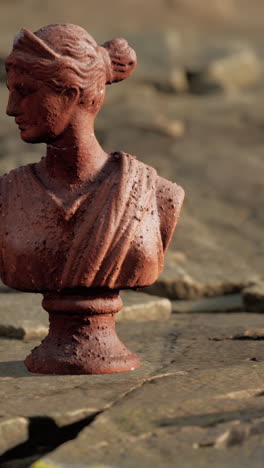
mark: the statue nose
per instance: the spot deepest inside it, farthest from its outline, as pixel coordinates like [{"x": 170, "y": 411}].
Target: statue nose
[{"x": 12, "y": 108}]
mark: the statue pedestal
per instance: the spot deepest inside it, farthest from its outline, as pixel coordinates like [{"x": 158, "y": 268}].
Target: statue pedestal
[{"x": 82, "y": 337}]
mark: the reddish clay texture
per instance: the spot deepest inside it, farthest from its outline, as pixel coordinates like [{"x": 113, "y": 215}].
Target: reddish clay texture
[
  {"x": 81, "y": 224},
  {"x": 82, "y": 338}
]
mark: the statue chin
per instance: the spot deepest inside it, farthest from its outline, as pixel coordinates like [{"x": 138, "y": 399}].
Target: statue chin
[{"x": 28, "y": 137}]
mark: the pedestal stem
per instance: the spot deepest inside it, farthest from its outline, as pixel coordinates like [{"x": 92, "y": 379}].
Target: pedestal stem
[{"x": 82, "y": 337}]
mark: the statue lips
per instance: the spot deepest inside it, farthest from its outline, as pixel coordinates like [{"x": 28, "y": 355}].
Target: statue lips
[{"x": 21, "y": 125}]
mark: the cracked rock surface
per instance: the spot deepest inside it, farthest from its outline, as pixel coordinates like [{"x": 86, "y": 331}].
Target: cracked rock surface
[{"x": 197, "y": 398}]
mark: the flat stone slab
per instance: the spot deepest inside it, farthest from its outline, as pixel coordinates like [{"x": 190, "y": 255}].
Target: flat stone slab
[
  {"x": 143, "y": 307},
  {"x": 184, "y": 278},
  {"x": 13, "y": 431},
  {"x": 253, "y": 297},
  {"x": 228, "y": 303},
  {"x": 185, "y": 429},
  {"x": 203, "y": 408},
  {"x": 190, "y": 390},
  {"x": 22, "y": 317}
]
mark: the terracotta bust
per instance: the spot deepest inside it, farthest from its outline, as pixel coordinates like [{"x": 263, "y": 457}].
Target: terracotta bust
[{"x": 81, "y": 224}]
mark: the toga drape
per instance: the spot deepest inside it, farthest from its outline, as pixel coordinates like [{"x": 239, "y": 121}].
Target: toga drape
[{"x": 114, "y": 236}]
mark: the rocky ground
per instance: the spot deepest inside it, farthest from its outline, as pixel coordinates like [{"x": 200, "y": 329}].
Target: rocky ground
[
  {"x": 193, "y": 110},
  {"x": 197, "y": 399}
]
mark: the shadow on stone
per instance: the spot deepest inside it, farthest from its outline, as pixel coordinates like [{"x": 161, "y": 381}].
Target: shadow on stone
[
  {"x": 43, "y": 437},
  {"x": 14, "y": 369}
]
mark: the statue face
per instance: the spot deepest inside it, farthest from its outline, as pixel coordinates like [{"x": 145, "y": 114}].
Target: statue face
[{"x": 41, "y": 113}]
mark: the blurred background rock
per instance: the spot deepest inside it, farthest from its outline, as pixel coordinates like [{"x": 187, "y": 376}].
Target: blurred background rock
[{"x": 193, "y": 109}]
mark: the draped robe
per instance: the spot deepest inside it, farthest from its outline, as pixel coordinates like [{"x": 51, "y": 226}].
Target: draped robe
[{"x": 112, "y": 236}]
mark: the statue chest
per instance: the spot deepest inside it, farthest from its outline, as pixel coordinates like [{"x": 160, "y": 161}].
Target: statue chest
[
  {"x": 38, "y": 240},
  {"x": 34, "y": 241}
]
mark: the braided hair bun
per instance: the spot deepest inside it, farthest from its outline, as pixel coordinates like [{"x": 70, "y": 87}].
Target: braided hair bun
[{"x": 120, "y": 60}]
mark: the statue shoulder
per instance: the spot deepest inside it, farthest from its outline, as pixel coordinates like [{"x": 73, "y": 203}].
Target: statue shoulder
[
  {"x": 170, "y": 198},
  {"x": 137, "y": 170},
  {"x": 11, "y": 179},
  {"x": 169, "y": 195}
]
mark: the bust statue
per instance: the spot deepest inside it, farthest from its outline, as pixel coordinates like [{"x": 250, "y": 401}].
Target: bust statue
[{"x": 81, "y": 224}]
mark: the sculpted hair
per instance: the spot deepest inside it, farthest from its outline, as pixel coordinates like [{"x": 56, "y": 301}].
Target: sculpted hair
[{"x": 65, "y": 55}]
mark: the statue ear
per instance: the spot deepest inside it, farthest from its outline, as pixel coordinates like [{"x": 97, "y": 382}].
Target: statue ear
[{"x": 71, "y": 95}]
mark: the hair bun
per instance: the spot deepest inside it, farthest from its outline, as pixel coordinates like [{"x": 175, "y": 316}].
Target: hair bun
[{"x": 123, "y": 60}]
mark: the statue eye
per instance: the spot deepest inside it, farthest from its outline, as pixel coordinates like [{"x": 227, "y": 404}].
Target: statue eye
[{"x": 24, "y": 91}]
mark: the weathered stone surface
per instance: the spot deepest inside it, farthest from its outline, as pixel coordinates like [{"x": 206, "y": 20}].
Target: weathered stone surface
[
  {"x": 13, "y": 431},
  {"x": 22, "y": 317},
  {"x": 189, "y": 391},
  {"x": 251, "y": 334},
  {"x": 183, "y": 419},
  {"x": 223, "y": 65},
  {"x": 67, "y": 399},
  {"x": 143, "y": 307},
  {"x": 238, "y": 70},
  {"x": 253, "y": 297},
  {"x": 189, "y": 279},
  {"x": 228, "y": 303}
]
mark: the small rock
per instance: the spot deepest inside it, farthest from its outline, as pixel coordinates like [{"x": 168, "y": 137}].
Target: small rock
[
  {"x": 253, "y": 297},
  {"x": 175, "y": 82},
  {"x": 143, "y": 307},
  {"x": 238, "y": 70},
  {"x": 237, "y": 435},
  {"x": 181, "y": 285},
  {"x": 171, "y": 128},
  {"x": 230, "y": 438},
  {"x": 228, "y": 303},
  {"x": 257, "y": 427},
  {"x": 243, "y": 394},
  {"x": 203, "y": 270},
  {"x": 254, "y": 334},
  {"x": 224, "y": 65}
]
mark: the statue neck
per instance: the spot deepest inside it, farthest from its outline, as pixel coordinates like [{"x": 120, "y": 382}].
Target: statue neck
[{"x": 75, "y": 157}]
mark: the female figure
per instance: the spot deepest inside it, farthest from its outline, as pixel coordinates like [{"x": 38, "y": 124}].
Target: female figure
[{"x": 81, "y": 224}]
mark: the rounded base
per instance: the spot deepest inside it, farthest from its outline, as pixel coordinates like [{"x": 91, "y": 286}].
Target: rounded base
[
  {"x": 79, "y": 344},
  {"x": 80, "y": 366}
]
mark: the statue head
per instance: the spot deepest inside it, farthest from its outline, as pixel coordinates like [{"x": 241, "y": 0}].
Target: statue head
[{"x": 57, "y": 70}]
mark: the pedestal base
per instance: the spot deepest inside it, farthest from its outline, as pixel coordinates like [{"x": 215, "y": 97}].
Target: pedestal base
[{"x": 82, "y": 338}]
